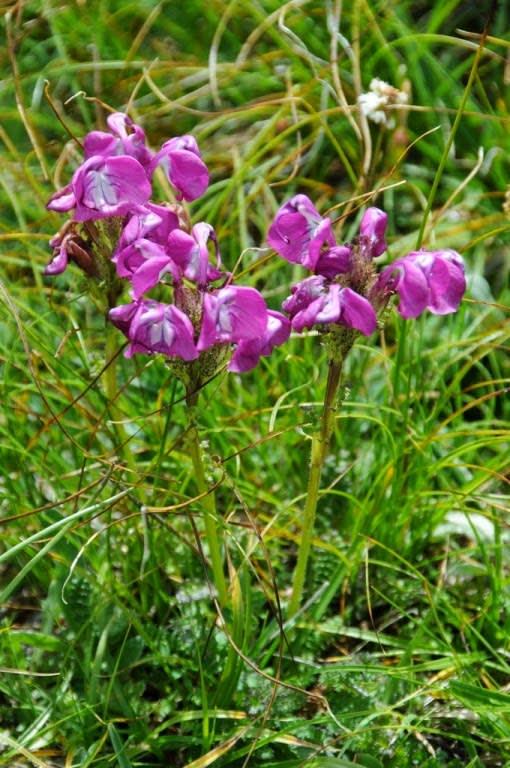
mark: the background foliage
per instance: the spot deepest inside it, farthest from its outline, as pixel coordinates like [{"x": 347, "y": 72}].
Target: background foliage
[{"x": 110, "y": 646}]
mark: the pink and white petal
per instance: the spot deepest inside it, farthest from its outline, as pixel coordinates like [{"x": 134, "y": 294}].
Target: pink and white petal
[
  {"x": 63, "y": 200},
  {"x": 109, "y": 187}
]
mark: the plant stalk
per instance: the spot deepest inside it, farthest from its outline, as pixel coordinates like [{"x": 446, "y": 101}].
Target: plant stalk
[
  {"x": 321, "y": 439},
  {"x": 209, "y": 505}
]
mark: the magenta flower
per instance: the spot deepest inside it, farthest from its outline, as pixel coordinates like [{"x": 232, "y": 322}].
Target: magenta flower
[
  {"x": 315, "y": 301},
  {"x": 230, "y": 315},
  {"x": 102, "y": 187},
  {"x": 334, "y": 261},
  {"x": 150, "y": 222},
  {"x": 125, "y": 138},
  {"x": 191, "y": 253},
  {"x": 432, "y": 280},
  {"x": 249, "y": 351},
  {"x": 122, "y": 316},
  {"x": 144, "y": 263},
  {"x": 372, "y": 231},
  {"x": 186, "y": 171},
  {"x": 299, "y": 233},
  {"x": 152, "y": 327}
]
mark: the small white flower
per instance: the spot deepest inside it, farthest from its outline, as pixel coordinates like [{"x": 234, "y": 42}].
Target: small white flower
[{"x": 375, "y": 102}]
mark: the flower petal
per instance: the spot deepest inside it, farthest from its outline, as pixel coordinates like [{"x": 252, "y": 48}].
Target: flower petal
[
  {"x": 372, "y": 230},
  {"x": 180, "y": 157},
  {"x": 153, "y": 327},
  {"x": 249, "y": 351},
  {"x": 231, "y": 315},
  {"x": 357, "y": 312},
  {"x": 63, "y": 200},
  {"x": 109, "y": 186},
  {"x": 299, "y": 233}
]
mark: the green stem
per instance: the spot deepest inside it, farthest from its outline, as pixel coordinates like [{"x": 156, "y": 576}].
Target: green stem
[
  {"x": 110, "y": 374},
  {"x": 320, "y": 444},
  {"x": 209, "y": 503},
  {"x": 111, "y": 391}
]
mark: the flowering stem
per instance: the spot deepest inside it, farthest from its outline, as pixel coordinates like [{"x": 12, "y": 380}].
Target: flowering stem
[
  {"x": 320, "y": 444},
  {"x": 111, "y": 390},
  {"x": 110, "y": 353},
  {"x": 209, "y": 504}
]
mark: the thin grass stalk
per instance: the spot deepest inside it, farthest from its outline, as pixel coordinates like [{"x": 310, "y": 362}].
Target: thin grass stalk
[
  {"x": 449, "y": 143},
  {"x": 321, "y": 439}
]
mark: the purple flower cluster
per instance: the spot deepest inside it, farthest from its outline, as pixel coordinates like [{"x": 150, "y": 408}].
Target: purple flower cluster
[
  {"x": 152, "y": 247},
  {"x": 345, "y": 289}
]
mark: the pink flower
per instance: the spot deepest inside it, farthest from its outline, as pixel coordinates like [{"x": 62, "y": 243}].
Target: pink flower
[
  {"x": 335, "y": 261},
  {"x": 249, "y": 351},
  {"x": 151, "y": 222},
  {"x": 144, "y": 263},
  {"x": 315, "y": 301},
  {"x": 181, "y": 159},
  {"x": 191, "y": 253},
  {"x": 230, "y": 315},
  {"x": 432, "y": 280},
  {"x": 152, "y": 327},
  {"x": 125, "y": 138},
  {"x": 299, "y": 233},
  {"x": 372, "y": 231},
  {"x": 102, "y": 187}
]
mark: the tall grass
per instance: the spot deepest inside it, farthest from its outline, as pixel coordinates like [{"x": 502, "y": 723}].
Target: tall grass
[{"x": 113, "y": 647}]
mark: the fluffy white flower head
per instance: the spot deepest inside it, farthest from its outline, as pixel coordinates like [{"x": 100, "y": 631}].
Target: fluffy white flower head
[{"x": 375, "y": 102}]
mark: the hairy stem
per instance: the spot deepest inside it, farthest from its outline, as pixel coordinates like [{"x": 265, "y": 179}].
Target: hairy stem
[
  {"x": 211, "y": 522},
  {"x": 320, "y": 444}
]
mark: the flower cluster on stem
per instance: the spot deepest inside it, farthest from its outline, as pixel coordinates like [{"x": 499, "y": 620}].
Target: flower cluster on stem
[
  {"x": 120, "y": 236},
  {"x": 344, "y": 297},
  {"x": 182, "y": 304},
  {"x": 345, "y": 290}
]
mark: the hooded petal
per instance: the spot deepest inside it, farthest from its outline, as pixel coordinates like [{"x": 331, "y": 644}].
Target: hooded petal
[
  {"x": 151, "y": 272},
  {"x": 129, "y": 259},
  {"x": 122, "y": 316},
  {"x": 335, "y": 261},
  {"x": 180, "y": 157},
  {"x": 151, "y": 222},
  {"x": 303, "y": 293},
  {"x": 409, "y": 282},
  {"x": 447, "y": 283},
  {"x": 299, "y": 233},
  {"x": 125, "y": 138},
  {"x": 63, "y": 200},
  {"x": 372, "y": 230},
  {"x": 191, "y": 253},
  {"x": 60, "y": 258},
  {"x": 314, "y": 302}
]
